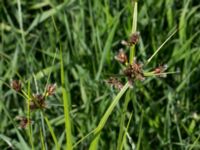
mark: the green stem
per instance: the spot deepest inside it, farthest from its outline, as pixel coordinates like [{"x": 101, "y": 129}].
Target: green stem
[
  {"x": 134, "y": 29},
  {"x": 29, "y": 117},
  {"x": 66, "y": 103},
  {"x": 43, "y": 129},
  {"x": 135, "y": 9}
]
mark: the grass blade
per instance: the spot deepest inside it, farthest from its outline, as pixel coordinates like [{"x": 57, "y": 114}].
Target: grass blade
[
  {"x": 42, "y": 139},
  {"x": 159, "y": 48},
  {"x": 122, "y": 120},
  {"x": 108, "y": 45},
  {"x": 106, "y": 115},
  {"x": 65, "y": 94},
  {"x": 52, "y": 133},
  {"x": 126, "y": 131},
  {"x": 29, "y": 117}
]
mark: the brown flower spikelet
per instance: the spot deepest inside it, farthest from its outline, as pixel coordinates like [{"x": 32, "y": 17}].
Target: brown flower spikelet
[
  {"x": 16, "y": 85},
  {"x": 134, "y": 71},
  {"x": 121, "y": 56},
  {"x": 115, "y": 82},
  {"x": 50, "y": 89}
]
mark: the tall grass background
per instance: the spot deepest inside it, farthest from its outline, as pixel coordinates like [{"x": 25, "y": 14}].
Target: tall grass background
[{"x": 73, "y": 43}]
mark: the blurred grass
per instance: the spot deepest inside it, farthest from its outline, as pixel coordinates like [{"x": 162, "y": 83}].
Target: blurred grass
[{"x": 165, "y": 111}]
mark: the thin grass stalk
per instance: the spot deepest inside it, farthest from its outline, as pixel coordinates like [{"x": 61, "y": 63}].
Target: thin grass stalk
[
  {"x": 159, "y": 48},
  {"x": 43, "y": 129},
  {"x": 195, "y": 143},
  {"x": 47, "y": 82},
  {"x": 122, "y": 120},
  {"x": 65, "y": 94},
  {"x": 83, "y": 138},
  {"x": 52, "y": 133},
  {"x": 29, "y": 117},
  {"x": 183, "y": 22},
  {"x": 140, "y": 132},
  {"x": 21, "y": 25},
  {"x": 42, "y": 139},
  {"x": 167, "y": 129},
  {"x": 126, "y": 130},
  {"x": 178, "y": 130}
]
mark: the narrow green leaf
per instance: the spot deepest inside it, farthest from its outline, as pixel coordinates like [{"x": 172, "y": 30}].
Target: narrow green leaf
[
  {"x": 52, "y": 133},
  {"x": 159, "y": 48},
  {"x": 106, "y": 115},
  {"x": 122, "y": 120},
  {"x": 66, "y": 100},
  {"x": 126, "y": 131},
  {"x": 45, "y": 15},
  {"x": 42, "y": 139},
  {"x": 108, "y": 45}
]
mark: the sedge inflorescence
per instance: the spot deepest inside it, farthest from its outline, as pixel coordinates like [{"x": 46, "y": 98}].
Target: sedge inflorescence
[
  {"x": 133, "y": 70},
  {"x": 35, "y": 101}
]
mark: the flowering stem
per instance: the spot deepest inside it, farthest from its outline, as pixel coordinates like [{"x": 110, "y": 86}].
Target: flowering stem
[{"x": 134, "y": 28}]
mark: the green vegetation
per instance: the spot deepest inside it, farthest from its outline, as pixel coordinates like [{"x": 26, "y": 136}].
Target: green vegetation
[{"x": 74, "y": 45}]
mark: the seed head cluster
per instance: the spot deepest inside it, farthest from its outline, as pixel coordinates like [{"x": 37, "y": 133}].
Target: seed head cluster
[
  {"x": 133, "y": 70},
  {"x": 36, "y": 101}
]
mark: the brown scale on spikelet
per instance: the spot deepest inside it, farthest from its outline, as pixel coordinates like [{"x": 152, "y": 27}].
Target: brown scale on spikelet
[
  {"x": 50, "y": 89},
  {"x": 16, "y": 85}
]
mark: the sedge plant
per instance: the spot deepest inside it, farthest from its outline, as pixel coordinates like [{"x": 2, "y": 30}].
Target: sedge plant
[{"x": 133, "y": 71}]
